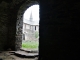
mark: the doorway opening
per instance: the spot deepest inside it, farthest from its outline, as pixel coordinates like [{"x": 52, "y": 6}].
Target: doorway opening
[{"x": 30, "y": 32}]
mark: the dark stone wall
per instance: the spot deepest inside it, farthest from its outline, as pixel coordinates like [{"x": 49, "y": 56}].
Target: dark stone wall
[
  {"x": 59, "y": 30},
  {"x": 13, "y": 11},
  {"x": 8, "y": 18},
  {"x": 3, "y": 24}
]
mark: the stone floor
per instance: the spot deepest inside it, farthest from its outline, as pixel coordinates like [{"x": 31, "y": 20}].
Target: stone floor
[{"x": 17, "y": 55}]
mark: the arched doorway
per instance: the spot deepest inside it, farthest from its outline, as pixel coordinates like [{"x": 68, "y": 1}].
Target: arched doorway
[
  {"x": 19, "y": 23},
  {"x": 30, "y": 38}
]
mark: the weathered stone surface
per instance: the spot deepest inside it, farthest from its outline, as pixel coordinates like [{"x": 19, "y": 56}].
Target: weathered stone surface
[
  {"x": 25, "y": 54},
  {"x": 6, "y": 55},
  {"x": 30, "y": 51}
]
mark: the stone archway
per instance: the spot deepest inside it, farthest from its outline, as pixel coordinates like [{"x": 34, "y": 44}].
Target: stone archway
[{"x": 19, "y": 23}]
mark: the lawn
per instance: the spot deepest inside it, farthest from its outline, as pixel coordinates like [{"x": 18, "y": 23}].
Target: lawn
[{"x": 30, "y": 44}]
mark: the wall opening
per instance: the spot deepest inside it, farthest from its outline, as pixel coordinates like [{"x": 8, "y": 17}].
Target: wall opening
[
  {"x": 30, "y": 37},
  {"x": 19, "y": 24}
]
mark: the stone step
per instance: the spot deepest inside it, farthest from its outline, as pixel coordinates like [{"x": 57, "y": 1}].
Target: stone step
[
  {"x": 11, "y": 52},
  {"x": 30, "y": 51},
  {"x": 25, "y": 54}
]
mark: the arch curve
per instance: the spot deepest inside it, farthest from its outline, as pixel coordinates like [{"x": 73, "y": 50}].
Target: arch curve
[{"x": 19, "y": 23}]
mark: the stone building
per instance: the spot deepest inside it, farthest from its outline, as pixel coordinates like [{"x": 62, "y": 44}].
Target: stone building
[
  {"x": 30, "y": 27},
  {"x": 58, "y": 27}
]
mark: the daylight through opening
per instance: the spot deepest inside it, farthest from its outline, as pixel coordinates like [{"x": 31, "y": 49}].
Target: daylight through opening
[{"x": 30, "y": 38}]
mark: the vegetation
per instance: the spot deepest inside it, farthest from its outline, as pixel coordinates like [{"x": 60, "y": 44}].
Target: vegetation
[
  {"x": 36, "y": 34},
  {"x": 30, "y": 44}
]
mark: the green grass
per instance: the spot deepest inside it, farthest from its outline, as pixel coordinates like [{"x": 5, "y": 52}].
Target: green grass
[{"x": 30, "y": 44}]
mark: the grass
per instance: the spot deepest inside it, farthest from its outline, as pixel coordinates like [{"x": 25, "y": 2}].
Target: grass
[{"x": 30, "y": 44}]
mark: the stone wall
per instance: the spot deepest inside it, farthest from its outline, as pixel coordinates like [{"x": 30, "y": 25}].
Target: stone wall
[
  {"x": 11, "y": 21},
  {"x": 3, "y": 24},
  {"x": 8, "y": 18},
  {"x": 29, "y": 32}
]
